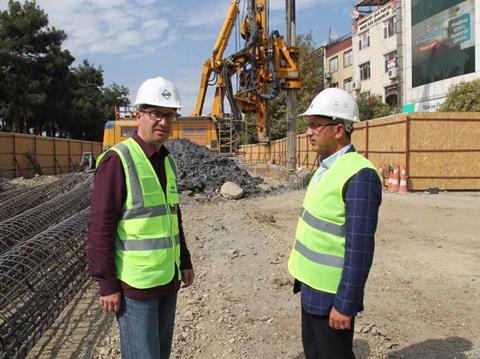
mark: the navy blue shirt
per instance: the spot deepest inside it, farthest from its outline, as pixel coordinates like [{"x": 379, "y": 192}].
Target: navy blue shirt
[{"x": 362, "y": 196}]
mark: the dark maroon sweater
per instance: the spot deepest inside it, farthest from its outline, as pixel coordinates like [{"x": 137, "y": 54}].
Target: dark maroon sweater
[{"x": 108, "y": 197}]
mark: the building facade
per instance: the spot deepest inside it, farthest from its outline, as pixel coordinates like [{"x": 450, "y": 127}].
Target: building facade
[
  {"x": 376, "y": 37},
  {"x": 338, "y": 64},
  {"x": 442, "y": 48}
]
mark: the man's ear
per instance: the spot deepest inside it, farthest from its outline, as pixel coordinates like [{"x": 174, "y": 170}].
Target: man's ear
[
  {"x": 340, "y": 131},
  {"x": 138, "y": 115}
]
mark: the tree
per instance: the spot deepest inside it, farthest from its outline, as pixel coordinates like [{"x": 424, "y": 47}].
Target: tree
[
  {"x": 463, "y": 97},
  {"x": 88, "y": 120},
  {"x": 40, "y": 91},
  {"x": 33, "y": 67},
  {"x": 114, "y": 96},
  {"x": 371, "y": 107}
]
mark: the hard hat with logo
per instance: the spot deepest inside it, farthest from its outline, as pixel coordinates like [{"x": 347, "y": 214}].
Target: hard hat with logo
[
  {"x": 158, "y": 92},
  {"x": 336, "y": 104}
]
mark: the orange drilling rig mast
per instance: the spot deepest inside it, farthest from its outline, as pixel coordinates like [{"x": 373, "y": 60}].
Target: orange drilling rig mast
[{"x": 265, "y": 66}]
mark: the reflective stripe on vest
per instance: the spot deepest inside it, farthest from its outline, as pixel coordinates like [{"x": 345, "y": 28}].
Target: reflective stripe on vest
[
  {"x": 147, "y": 244},
  {"x": 147, "y": 212},
  {"x": 135, "y": 188},
  {"x": 322, "y": 225},
  {"x": 317, "y": 257}
]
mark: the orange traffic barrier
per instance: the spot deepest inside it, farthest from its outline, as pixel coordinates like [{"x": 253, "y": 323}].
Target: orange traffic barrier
[
  {"x": 394, "y": 182},
  {"x": 403, "y": 187},
  {"x": 390, "y": 179}
]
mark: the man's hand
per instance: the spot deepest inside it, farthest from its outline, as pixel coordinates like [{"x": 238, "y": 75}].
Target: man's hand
[
  {"x": 187, "y": 277},
  {"x": 112, "y": 302},
  {"x": 339, "y": 321}
]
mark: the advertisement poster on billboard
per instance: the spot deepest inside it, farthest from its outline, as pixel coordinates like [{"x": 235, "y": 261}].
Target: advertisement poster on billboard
[{"x": 443, "y": 39}]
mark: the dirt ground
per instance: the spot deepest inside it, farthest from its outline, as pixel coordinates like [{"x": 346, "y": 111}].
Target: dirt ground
[{"x": 422, "y": 296}]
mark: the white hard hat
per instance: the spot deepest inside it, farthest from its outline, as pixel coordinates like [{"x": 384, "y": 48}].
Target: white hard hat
[
  {"x": 336, "y": 104},
  {"x": 158, "y": 92}
]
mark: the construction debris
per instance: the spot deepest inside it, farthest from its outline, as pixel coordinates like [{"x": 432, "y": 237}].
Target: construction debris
[
  {"x": 230, "y": 190},
  {"x": 202, "y": 171}
]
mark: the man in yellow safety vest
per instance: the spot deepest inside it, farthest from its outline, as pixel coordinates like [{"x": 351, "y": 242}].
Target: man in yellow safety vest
[
  {"x": 334, "y": 240},
  {"x": 136, "y": 247}
]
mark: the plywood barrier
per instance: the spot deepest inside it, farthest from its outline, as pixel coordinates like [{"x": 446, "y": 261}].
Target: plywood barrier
[
  {"x": 54, "y": 155},
  {"x": 438, "y": 150}
]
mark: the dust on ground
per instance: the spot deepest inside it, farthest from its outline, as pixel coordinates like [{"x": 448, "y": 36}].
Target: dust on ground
[
  {"x": 36, "y": 180},
  {"x": 421, "y": 298}
]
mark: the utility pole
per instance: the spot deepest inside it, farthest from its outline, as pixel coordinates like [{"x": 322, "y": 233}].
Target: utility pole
[{"x": 291, "y": 98}]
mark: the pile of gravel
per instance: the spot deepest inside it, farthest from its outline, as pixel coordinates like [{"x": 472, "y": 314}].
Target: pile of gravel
[{"x": 202, "y": 171}]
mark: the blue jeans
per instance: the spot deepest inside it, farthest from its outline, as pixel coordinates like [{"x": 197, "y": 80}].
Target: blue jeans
[{"x": 146, "y": 327}]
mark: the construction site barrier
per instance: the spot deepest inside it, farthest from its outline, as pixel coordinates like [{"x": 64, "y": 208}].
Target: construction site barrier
[
  {"x": 437, "y": 149},
  {"x": 25, "y": 155}
]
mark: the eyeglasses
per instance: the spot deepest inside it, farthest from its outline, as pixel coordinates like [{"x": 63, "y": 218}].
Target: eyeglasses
[
  {"x": 158, "y": 116},
  {"x": 316, "y": 126}
]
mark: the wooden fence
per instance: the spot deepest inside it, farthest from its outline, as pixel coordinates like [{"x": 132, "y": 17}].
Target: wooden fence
[
  {"x": 439, "y": 150},
  {"x": 54, "y": 155}
]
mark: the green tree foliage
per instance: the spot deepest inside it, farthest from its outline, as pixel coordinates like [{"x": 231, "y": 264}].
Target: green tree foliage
[
  {"x": 371, "y": 107},
  {"x": 311, "y": 73},
  {"x": 40, "y": 91},
  {"x": 32, "y": 65},
  {"x": 463, "y": 97},
  {"x": 114, "y": 96},
  {"x": 87, "y": 102}
]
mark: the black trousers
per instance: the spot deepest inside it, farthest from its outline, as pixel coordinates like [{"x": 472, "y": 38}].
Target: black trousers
[{"x": 322, "y": 342}]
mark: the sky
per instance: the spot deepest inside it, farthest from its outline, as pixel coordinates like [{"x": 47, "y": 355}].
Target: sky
[{"x": 133, "y": 40}]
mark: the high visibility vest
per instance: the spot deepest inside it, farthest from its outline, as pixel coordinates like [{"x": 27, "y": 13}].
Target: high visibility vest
[
  {"x": 147, "y": 243},
  {"x": 318, "y": 254}
]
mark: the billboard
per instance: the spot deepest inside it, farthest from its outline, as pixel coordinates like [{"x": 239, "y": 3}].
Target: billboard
[{"x": 443, "y": 39}]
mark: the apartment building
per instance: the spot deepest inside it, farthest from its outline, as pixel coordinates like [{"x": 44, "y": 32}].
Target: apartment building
[
  {"x": 375, "y": 42},
  {"x": 338, "y": 62}
]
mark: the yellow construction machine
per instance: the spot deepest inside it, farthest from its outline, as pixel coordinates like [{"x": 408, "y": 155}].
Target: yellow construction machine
[{"x": 264, "y": 67}]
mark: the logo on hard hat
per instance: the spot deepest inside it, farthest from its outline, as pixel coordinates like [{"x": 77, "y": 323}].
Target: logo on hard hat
[{"x": 166, "y": 94}]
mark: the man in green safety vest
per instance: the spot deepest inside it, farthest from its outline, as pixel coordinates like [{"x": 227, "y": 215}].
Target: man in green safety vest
[
  {"x": 334, "y": 240},
  {"x": 136, "y": 247}
]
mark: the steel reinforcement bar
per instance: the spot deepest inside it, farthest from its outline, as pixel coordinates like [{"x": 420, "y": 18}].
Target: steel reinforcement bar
[
  {"x": 38, "y": 278},
  {"x": 16, "y": 203},
  {"x": 6, "y": 185},
  {"x": 24, "y": 226}
]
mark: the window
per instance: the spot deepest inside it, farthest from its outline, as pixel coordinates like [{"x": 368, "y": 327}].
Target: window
[
  {"x": 365, "y": 71},
  {"x": 388, "y": 28},
  {"x": 333, "y": 65},
  {"x": 193, "y": 130},
  {"x": 390, "y": 60},
  {"x": 347, "y": 58},
  {"x": 335, "y": 84},
  {"x": 348, "y": 84},
  {"x": 127, "y": 131},
  {"x": 364, "y": 41}
]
